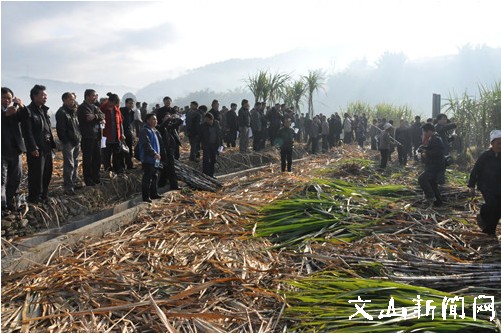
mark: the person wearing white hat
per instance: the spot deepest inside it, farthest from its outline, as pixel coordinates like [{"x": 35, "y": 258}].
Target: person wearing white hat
[{"x": 486, "y": 175}]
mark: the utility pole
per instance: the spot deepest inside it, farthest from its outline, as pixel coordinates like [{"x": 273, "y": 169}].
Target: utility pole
[{"x": 436, "y": 106}]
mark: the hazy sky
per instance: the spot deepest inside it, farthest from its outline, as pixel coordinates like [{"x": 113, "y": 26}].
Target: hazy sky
[{"x": 136, "y": 43}]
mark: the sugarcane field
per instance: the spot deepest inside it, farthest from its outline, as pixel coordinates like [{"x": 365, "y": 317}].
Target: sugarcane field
[
  {"x": 250, "y": 166},
  {"x": 336, "y": 245}
]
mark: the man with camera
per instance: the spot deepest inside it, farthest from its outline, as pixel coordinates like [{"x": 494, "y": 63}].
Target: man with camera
[
  {"x": 37, "y": 133},
  {"x": 128, "y": 123},
  {"x": 12, "y": 148},
  {"x": 168, "y": 123}
]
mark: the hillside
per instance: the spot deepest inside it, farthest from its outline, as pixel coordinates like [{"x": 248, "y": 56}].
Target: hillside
[{"x": 392, "y": 79}]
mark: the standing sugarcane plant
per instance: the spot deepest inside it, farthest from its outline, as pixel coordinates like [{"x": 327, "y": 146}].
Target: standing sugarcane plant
[
  {"x": 266, "y": 86},
  {"x": 277, "y": 83},
  {"x": 259, "y": 85},
  {"x": 295, "y": 93},
  {"x": 475, "y": 118},
  {"x": 314, "y": 82}
]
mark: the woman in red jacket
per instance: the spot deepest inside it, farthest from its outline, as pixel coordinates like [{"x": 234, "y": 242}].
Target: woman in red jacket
[{"x": 113, "y": 132}]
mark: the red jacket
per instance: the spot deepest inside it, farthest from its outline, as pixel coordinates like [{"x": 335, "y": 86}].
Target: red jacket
[{"x": 107, "y": 118}]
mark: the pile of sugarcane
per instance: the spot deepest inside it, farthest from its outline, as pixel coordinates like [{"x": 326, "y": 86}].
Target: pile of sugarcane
[
  {"x": 270, "y": 252},
  {"x": 196, "y": 179}
]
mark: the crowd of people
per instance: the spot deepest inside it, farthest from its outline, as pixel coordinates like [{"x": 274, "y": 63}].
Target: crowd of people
[{"x": 104, "y": 133}]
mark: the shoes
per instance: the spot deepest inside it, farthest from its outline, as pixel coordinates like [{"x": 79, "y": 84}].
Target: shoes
[
  {"x": 438, "y": 202},
  {"x": 429, "y": 201},
  {"x": 147, "y": 200},
  {"x": 70, "y": 191},
  {"x": 481, "y": 222},
  {"x": 156, "y": 196},
  {"x": 36, "y": 200}
]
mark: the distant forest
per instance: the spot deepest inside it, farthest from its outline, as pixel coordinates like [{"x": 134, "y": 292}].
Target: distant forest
[{"x": 393, "y": 79}]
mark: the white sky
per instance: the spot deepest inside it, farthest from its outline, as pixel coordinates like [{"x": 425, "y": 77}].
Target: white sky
[{"x": 136, "y": 43}]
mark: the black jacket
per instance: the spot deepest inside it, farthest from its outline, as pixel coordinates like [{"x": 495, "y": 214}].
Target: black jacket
[
  {"x": 12, "y": 139},
  {"x": 193, "y": 120},
  {"x": 205, "y": 135},
  {"x": 216, "y": 114},
  {"x": 168, "y": 128},
  {"x": 285, "y": 138},
  {"x": 244, "y": 117},
  {"x": 435, "y": 157},
  {"x": 89, "y": 129},
  {"x": 231, "y": 121},
  {"x": 403, "y": 136},
  {"x": 36, "y": 128},
  {"x": 443, "y": 130},
  {"x": 68, "y": 130},
  {"x": 127, "y": 119},
  {"x": 486, "y": 173}
]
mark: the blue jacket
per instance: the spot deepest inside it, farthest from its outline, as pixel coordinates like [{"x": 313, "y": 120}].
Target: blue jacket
[{"x": 148, "y": 146}]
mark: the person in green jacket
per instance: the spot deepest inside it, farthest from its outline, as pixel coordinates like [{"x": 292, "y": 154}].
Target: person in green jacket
[{"x": 285, "y": 141}]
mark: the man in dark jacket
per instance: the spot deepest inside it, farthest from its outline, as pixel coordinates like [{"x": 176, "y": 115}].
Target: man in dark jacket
[
  {"x": 127, "y": 123},
  {"x": 256, "y": 126},
  {"x": 215, "y": 111},
  {"x": 91, "y": 122},
  {"x": 68, "y": 132},
  {"x": 243, "y": 125},
  {"x": 193, "y": 121},
  {"x": 231, "y": 124},
  {"x": 486, "y": 175},
  {"x": 150, "y": 153},
  {"x": 168, "y": 123},
  {"x": 285, "y": 141},
  {"x": 417, "y": 136},
  {"x": 443, "y": 129},
  {"x": 275, "y": 118},
  {"x": 37, "y": 133},
  {"x": 164, "y": 113},
  {"x": 12, "y": 149},
  {"x": 403, "y": 136},
  {"x": 432, "y": 152},
  {"x": 212, "y": 140}
]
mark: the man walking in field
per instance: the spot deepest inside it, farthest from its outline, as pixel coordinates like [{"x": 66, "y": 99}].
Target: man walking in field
[{"x": 432, "y": 152}]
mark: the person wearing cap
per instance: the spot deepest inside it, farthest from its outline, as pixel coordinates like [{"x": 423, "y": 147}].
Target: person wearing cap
[
  {"x": 486, "y": 175},
  {"x": 432, "y": 152},
  {"x": 384, "y": 145}
]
